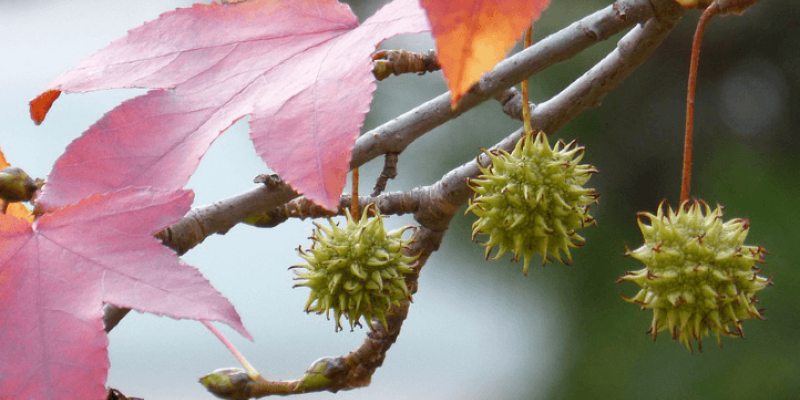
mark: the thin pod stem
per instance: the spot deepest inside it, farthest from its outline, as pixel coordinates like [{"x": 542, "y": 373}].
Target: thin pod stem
[
  {"x": 526, "y": 109},
  {"x": 251, "y": 372},
  {"x": 354, "y": 203},
  {"x": 686, "y": 176}
]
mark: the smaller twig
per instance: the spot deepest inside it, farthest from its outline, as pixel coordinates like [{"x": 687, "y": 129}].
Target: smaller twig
[
  {"x": 333, "y": 374},
  {"x": 511, "y": 101},
  {"x": 272, "y": 182},
  {"x": 300, "y": 207},
  {"x": 686, "y": 175},
  {"x": 389, "y": 172},
  {"x": 399, "y": 133},
  {"x": 388, "y": 62},
  {"x": 114, "y": 394},
  {"x": 354, "y": 203},
  {"x": 112, "y": 315},
  {"x": 221, "y": 216},
  {"x": 394, "y": 203}
]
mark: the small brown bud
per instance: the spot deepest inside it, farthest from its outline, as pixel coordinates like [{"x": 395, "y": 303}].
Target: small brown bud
[{"x": 16, "y": 186}]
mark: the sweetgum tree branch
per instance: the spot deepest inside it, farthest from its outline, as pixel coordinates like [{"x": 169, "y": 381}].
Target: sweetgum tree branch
[
  {"x": 584, "y": 93},
  {"x": 434, "y": 206},
  {"x": 223, "y": 215},
  {"x": 333, "y": 374},
  {"x": 395, "y": 135}
]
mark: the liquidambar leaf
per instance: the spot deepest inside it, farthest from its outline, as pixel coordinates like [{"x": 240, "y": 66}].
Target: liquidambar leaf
[
  {"x": 56, "y": 273},
  {"x": 474, "y": 35},
  {"x": 300, "y": 68}
]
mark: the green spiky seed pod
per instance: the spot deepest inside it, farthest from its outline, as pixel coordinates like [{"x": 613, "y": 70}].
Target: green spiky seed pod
[
  {"x": 699, "y": 277},
  {"x": 356, "y": 271},
  {"x": 533, "y": 200}
]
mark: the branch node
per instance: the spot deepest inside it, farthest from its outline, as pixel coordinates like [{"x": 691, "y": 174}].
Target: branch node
[
  {"x": 389, "y": 172},
  {"x": 272, "y": 182},
  {"x": 388, "y": 62},
  {"x": 511, "y": 101}
]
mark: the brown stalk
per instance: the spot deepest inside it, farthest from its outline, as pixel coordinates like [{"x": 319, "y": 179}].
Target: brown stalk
[{"x": 686, "y": 176}]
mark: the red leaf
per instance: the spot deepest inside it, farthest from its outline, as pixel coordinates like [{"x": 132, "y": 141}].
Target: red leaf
[
  {"x": 56, "y": 273},
  {"x": 41, "y": 105},
  {"x": 301, "y": 69},
  {"x": 474, "y": 35}
]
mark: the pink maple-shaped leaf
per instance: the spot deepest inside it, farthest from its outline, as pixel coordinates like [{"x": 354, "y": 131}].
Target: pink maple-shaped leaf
[
  {"x": 56, "y": 273},
  {"x": 300, "y": 68}
]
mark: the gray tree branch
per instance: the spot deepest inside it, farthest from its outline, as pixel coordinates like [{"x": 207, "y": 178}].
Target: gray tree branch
[
  {"x": 395, "y": 135},
  {"x": 434, "y": 206}
]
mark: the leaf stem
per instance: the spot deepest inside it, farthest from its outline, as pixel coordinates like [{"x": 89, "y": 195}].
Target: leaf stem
[
  {"x": 526, "y": 109},
  {"x": 251, "y": 372},
  {"x": 686, "y": 176},
  {"x": 354, "y": 203}
]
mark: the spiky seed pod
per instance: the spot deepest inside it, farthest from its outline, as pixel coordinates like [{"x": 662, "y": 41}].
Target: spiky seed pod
[
  {"x": 699, "y": 276},
  {"x": 356, "y": 271},
  {"x": 533, "y": 200}
]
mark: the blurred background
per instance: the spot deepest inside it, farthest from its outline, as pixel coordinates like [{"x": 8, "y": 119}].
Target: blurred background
[{"x": 478, "y": 329}]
